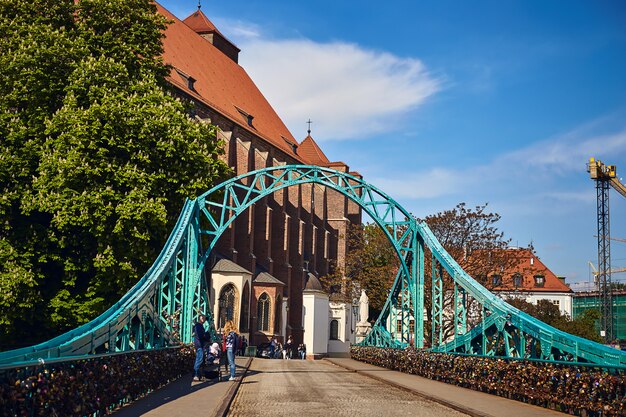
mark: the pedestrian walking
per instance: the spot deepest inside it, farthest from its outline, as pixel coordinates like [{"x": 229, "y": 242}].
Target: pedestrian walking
[{"x": 289, "y": 347}]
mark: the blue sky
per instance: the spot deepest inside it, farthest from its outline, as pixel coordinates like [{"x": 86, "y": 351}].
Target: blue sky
[{"x": 436, "y": 103}]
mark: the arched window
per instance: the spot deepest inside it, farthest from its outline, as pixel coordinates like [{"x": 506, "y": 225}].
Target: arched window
[
  {"x": 245, "y": 309},
  {"x": 228, "y": 304},
  {"x": 263, "y": 313},
  {"x": 517, "y": 280},
  {"x": 334, "y": 330},
  {"x": 279, "y": 312}
]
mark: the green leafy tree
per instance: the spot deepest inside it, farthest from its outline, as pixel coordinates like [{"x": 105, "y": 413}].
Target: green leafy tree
[
  {"x": 584, "y": 325},
  {"x": 96, "y": 158}
]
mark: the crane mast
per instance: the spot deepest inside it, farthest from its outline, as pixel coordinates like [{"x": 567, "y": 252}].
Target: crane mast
[{"x": 605, "y": 176}]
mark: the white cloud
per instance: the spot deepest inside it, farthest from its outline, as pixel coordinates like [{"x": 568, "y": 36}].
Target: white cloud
[
  {"x": 238, "y": 31},
  {"x": 348, "y": 91},
  {"x": 532, "y": 174},
  {"x": 567, "y": 152},
  {"x": 436, "y": 182}
]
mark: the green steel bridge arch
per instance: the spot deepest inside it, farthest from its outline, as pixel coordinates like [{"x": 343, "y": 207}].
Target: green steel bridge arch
[{"x": 160, "y": 309}]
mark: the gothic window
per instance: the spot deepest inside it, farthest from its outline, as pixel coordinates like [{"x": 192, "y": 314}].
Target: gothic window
[
  {"x": 334, "y": 330},
  {"x": 245, "y": 309},
  {"x": 517, "y": 280},
  {"x": 227, "y": 304},
  {"x": 263, "y": 313}
]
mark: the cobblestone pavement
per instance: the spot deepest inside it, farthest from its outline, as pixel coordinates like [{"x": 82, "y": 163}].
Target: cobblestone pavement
[{"x": 298, "y": 388}]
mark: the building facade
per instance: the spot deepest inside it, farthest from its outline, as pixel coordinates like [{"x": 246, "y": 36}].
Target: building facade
[
  {"x": 282, "y": 239},
  {"x": 531, "y": 280}
]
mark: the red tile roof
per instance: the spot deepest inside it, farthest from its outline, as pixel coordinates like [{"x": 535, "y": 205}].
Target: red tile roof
[
  {"x": 221, "y": 84},
  {"x": 312, "y": 153},
  {"x": 201, "y": 25},
  {"x": 528, "y": 266}
]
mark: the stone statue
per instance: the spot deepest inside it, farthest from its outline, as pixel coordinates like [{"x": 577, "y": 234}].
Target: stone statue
[
  {"x": 364, "y": 307},
  {"x": 363, "y": 327}
]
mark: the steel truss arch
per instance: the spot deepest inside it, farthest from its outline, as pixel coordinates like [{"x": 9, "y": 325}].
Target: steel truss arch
[
  {"x": 161, "y": 308},
  {"x": 223, "y": 203}
]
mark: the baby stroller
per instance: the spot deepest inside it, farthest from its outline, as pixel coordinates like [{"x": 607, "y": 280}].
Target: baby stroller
[{"x": 214, "y": 361}]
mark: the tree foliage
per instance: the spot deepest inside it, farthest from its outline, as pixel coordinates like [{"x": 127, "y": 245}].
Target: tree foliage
[
  {"x": 96, "y": 158},
  {"x": 371, "y": 264},
  {"x": 472, "y": 238},
  {"x": 549, "y": 313}
]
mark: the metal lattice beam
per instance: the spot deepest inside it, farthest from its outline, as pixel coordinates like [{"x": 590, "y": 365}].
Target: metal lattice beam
[{"x": 604, "y": 259}]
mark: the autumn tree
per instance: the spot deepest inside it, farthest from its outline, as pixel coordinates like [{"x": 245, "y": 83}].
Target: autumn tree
[
  {"x": 371, "y": 264},
  {"x": 471, "y": 236},
  {"x": 96, "y": 158}
]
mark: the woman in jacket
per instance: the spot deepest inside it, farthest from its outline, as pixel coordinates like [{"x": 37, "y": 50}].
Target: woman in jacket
[{"x": 231, "y": 339}]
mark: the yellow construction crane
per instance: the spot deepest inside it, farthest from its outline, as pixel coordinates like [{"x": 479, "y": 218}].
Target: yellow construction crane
[
  {"x": 599, "y": 171},
  {"x": 604, "y": 176},
  {"x": 612, "y": 271}
]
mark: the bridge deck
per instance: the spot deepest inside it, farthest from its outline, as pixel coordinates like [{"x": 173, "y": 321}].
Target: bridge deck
[
  {"x": 184, "y": 397},
  {"x": 275, "y": 385},
  {"x": 469, "y": 401}
]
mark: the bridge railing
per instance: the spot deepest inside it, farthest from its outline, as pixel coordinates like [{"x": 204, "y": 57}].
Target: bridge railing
[
  {"x": 563, "y": 386},
  {"x": 88, "y": 386}
]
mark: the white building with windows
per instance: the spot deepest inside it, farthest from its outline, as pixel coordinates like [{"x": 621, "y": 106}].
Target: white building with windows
[
  {"x": 329, "y": 327},
  {"x": 532, "y": 281}
]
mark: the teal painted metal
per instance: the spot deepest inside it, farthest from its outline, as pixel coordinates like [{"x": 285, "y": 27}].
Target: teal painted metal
[
  {"x": 503, "y": 330},
  {"x": 161, "y": 308},
  {"x": 437, "y": 304}
]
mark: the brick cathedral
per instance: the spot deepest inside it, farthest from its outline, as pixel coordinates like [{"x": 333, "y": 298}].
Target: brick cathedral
[{"x": 274, "y": 252}]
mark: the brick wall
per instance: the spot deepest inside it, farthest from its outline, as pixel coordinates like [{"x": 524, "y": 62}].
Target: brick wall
[{"x": 282, "y": 231}]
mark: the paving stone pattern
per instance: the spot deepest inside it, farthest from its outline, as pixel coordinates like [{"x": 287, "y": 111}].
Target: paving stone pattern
[{"x": 298, "y": 388}]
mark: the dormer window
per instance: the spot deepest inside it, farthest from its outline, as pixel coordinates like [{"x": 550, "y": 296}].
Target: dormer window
[
  {"x": 249, "y": 118},
  {"x": 291, "y": 143},
  {"x": 496, "y": 279},
  {"x": 188, "y": 79},
  {"x": 191, "y": 83},
  {"x": 517, "y": 280},
  {"x": 540, "y": 280}
]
